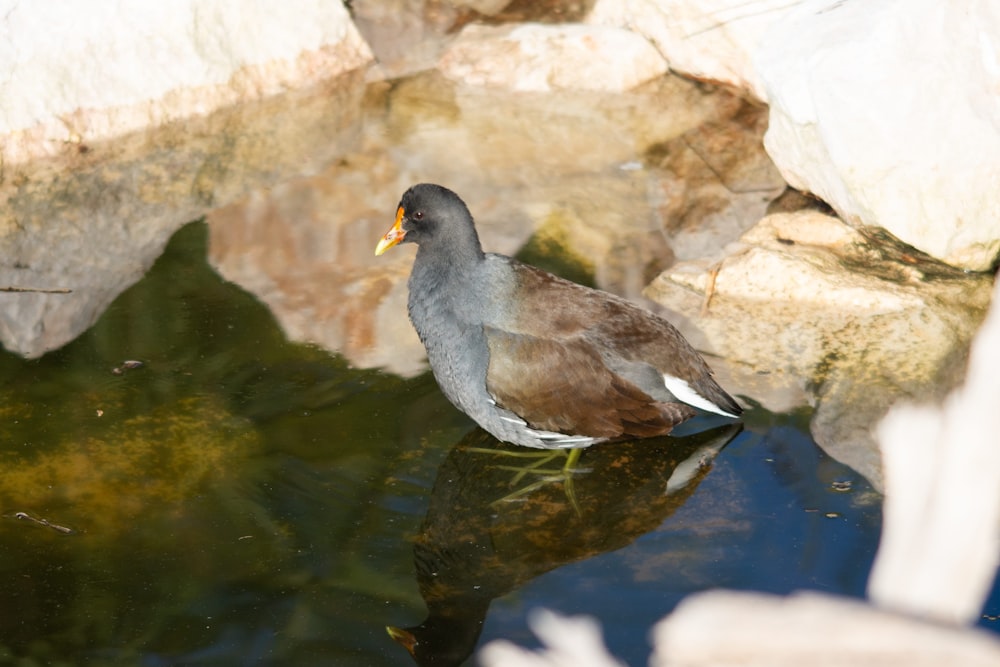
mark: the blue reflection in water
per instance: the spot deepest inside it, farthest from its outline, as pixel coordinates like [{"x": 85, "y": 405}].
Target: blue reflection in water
[{"x": 766, "y": 518}]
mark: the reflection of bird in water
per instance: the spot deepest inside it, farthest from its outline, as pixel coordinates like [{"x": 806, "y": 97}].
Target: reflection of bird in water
[
  {"x": 471, "y": 550},
  {"x": 534, "y": 359}
]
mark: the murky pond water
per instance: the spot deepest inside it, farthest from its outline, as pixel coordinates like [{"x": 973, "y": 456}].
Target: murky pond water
[
  {"x": 237, "y": 497},
  {"x": 240, "y": 498}
]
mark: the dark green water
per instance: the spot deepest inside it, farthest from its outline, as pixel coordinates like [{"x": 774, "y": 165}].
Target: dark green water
[{"x": 240, "y": 499}]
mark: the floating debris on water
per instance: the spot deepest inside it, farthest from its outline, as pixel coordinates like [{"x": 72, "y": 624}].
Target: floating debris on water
[
  {"x": 127, "y": 365},
  {"x": 24, "y": 516}
]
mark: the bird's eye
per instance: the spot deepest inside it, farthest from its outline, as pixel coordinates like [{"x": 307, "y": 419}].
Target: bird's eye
[{"x": 418, "y": 215}]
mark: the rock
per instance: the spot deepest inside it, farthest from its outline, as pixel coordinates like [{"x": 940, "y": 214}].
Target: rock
[
  {"x": 97, "y": 168},
  {"x": 716, "y": 181},
  {"x": 712, "y": 41},
  {"x": 569, "y": 641},
  {"x": 842, "y": 111},
  {"x": 79, "y": 75},
  {"x": 896, "y": 127},
  {"x": 626, "y": 182},
  {"x": 405, "y": 36},
  {"x": 538, "y": 58},
  {"x": 408, "y": 36},
  {"x": 855, "y": 322},
  {"x": 721, "y": 629},
  {"x": 92, "y": 223},
  {"x": 569, "y": 173},
  {"x": 941, "y": 533}
]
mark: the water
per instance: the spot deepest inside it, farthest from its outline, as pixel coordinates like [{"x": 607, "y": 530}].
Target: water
[{"x": 241, "y": 499}]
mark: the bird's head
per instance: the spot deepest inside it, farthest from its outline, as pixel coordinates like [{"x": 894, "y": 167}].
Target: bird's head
[{"x": 431, "y": 215}]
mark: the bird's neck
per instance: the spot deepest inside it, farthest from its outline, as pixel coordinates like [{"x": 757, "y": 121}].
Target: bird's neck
[
  {"x": 437, "y": 284},
  {"x": 457, "y": 261}
]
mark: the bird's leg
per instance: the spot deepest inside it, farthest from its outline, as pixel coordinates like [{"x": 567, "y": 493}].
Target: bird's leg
[
  {"x": 569, "y": 468},
  {"x": 563, "y": 474},
  {"x": 572, "y": 459},
  {"x": 543, "y": 457}
]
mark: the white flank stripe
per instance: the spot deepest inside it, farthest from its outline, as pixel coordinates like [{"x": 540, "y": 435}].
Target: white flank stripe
[
  {"x": 682, "y": 391},
  {"x": 561, "y": 439}
]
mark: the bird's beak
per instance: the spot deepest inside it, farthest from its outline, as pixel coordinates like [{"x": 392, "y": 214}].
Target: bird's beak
[
  {"x": 393, "y": 236},
  {"x": 402, "y": 637}
]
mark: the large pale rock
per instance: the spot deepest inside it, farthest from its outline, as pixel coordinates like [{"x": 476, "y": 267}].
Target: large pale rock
[
  {"x": 537, "y": 57},
  {"x": 855, "y": 321},
  {"x": 941, "y": 537},
  {"x": 898, "y": 126},
  {"x": 118, "y": 125},
  {"x": 83, "y": 73},
  {"x": 723, "y": 629},
  {"x": 713, "y": 40}
]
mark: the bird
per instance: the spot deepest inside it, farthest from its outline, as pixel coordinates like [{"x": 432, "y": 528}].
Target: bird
[{"x": 534, "y": 359}]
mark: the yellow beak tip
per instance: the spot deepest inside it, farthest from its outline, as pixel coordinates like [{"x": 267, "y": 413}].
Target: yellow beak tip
[
  {"x": 385, "y": 244},
  {"x": 393, "y": 236}
]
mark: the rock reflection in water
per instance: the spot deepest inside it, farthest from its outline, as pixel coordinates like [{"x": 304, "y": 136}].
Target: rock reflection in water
[
  {"x": 472, "y": 549},
  {"x": 595, "y": 176}
]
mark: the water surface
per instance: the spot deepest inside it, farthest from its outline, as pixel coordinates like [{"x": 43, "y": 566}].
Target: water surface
[{"x": 239, "y": 498}]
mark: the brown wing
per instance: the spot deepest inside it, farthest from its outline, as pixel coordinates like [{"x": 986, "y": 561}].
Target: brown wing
[
  {"x": 564, "y": 386},
  {"x": 623, "y": 333},
  {"x": 553, "y": 308}
]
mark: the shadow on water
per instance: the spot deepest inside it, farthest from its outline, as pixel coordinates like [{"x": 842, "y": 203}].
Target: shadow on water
[
  {"x": 242, "y": 499},
  {"x": 474, "y": 546}
]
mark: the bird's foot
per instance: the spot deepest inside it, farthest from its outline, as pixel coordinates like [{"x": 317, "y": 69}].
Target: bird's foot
[{"x": 546, "y": 475}]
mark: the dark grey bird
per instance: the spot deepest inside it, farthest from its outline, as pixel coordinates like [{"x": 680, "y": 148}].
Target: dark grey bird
[{"x": 534, "y": 359}]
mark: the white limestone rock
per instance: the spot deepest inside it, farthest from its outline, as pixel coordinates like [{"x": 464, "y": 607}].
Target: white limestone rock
[
  {"x": 713, "y": 40},
  {"x": 853, "y": 319},
  {"x": 727, "y": 629},
  {"x": 84, "y": 72},
  {"x": 941, "y": 537},
  {"x": 119, "y": 122},
  {"x": 539, "y": 58},
  {"x": 898, "y": 126}
]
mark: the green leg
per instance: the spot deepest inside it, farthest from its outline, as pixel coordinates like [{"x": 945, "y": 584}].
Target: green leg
[
  {"x": 569, "y": 468},
  {"x": 572, "y": 459},
  {"x": 546, "y": 475}
]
